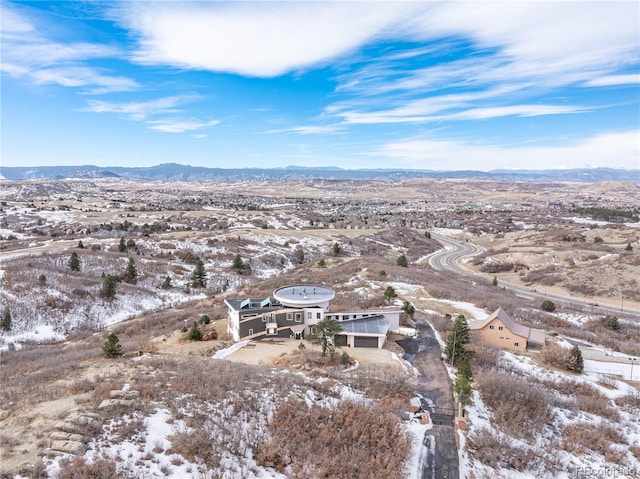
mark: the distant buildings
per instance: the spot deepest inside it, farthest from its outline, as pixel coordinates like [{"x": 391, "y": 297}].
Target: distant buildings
[{"x": 293, "y": 311}]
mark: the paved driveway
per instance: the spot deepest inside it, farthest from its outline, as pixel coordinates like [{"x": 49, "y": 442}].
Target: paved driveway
[{"x": 440, "y": 453}]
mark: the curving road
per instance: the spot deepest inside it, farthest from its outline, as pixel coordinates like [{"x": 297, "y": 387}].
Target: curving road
[{"x": 450, "y": 259}]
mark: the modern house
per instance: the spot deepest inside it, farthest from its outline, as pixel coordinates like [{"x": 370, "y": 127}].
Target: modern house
[
  {"x": 501, "y": 331},
  {"x": 293, "y": 311}
]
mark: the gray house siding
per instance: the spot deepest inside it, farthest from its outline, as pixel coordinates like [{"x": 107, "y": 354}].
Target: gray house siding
[{"x": 256, "y": 324}]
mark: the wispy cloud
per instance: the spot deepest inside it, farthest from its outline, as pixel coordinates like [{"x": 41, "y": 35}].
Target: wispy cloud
[
  {"x": 27, "y": 53},
  {"x": 141, "y": 110},
  {"x": 618, "y": 150},
  {"x": 180, "y": 126},
  {"x": 612, "y": 80},
  {"x": 309, "y": 129}
]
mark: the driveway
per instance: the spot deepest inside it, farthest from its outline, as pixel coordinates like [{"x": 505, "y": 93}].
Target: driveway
[{"x": 440, "y": 452}]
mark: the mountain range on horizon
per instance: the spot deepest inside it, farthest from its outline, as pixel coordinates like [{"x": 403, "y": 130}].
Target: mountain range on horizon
[{"x": 178, "y": 172}]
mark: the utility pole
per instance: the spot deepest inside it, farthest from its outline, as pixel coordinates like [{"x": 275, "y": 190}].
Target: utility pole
[{"x": 633, "y": 360}]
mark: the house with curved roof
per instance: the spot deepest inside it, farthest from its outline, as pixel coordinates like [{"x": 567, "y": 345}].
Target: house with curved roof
[{"x": 292, "y": 311}]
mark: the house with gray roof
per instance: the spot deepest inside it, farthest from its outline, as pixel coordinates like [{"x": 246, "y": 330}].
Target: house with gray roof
[{"x": 499, "y": 330}]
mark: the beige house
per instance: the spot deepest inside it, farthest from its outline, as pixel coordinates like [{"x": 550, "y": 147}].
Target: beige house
[{"x": 501, "y": 331}]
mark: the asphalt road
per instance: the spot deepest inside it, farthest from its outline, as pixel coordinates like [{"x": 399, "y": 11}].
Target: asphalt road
[{"x": 449, "y": 259}]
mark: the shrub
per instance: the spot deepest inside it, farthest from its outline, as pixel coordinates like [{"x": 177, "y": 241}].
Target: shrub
[
  {"x": 548, "y": 306},
  {"x": 194, "y": 333},
  {"x": 204, "y": 319},
  {"x": 112, "y": 347}
]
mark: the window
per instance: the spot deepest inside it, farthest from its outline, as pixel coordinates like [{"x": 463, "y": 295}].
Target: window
[
  {"x": 298, "y": 317},
  {"x": 500, "y": 328},
  {"x": 318, "y": 315},
  {"x": 492, "y": 327},
  {"x": 272, "y": 331},
  {"x": 264, "y": 318},
  {"x": 289, "y": 316},
  {"x": 516, "y": 344},
  {"x": 251, "y": 332},
  {"x": 309, "y": 315}
]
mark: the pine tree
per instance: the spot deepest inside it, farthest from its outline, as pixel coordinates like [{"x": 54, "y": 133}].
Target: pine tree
[
  {"x": 122, "y": 247},
  {"x": 457, "y": 340},
  {"x": 462, "y": 383},
  {"x": 80, "y": 244},
  {"x": 628, "y": 247},
  {"x": 131, "y": 275},
  {"x": 322, "y": 263},
  {"x": 238, "y": 264},
  {"x": 74, "y": 262},
  {"x": 299, "y": 254},
  {"x": 390, "y": 294},
  {"x": 112, "y": 347},
  {"x": 576, "y": 363},
  {"x": 325, "y": 332},
  {"x": 402, "y": 261},
  {"x": 166, "y": 284},
  {"x": 109, "y": 285},
  {"x": 194, "y": 333},
  {"x": 199, "y": 275},
  {"x": 6, "y": 319},
  {"x": 336, "y": 249},
  {"x": 408, "y": 308},
  {"x": 495, "y": 281}
]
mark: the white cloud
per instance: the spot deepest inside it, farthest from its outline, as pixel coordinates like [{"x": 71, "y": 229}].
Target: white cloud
[
  {"x": 611, "y": 80},
  {"x": 94, "y": 82},
  {"x": 27, "y": 53},
  {"x": 309, "y": 129},
  {"x": 261, "y": 39},
  {"x": 615, "y": 150},
  {"x": 140, "y": 110},
  {"x": 179, "y": 126}
]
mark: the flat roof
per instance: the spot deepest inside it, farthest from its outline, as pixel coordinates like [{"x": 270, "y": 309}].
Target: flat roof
[{"x": 304, "y": 294}]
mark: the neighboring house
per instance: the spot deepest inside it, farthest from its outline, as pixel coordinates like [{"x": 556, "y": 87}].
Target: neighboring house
[
  {"x": 293, "y": 311},
  {"x": 501, "y": 331}
]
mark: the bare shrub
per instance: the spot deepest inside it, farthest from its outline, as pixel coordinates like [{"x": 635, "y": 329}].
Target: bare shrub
[
  {"x": 100, "y": 468},
  {"x": 497, "y": 450},
  {"x": 582, "y": 437},
  {"x": 518, "y": 406},
  {"x": 555, "y": 355},
  {"x": 348, "y": 441}
]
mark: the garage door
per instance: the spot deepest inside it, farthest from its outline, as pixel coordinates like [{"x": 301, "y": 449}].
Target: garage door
[{"x": 365, "y": 342}]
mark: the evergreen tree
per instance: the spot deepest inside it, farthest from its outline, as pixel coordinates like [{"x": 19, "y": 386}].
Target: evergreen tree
[
  {"x": 122, "y": 247},
  {"x": 80, "y": 244},
  {"x": 131, "y": 275},
  {"x": 390, "y": 294},
  {"x": 166, "y": 284},
  {"x": 238, "y": 264},
  {"x": 322, "y": 263},
  {"x": 112, "y": 347},
  {"x": 336, "y": 249},
  {"x": 6, "y": 319},
  {"x": 324, "y": 335},
  {"x": 462, "y": 383},
  {"x": 199, "y": 275},
  {"x": 427, "y": 234},
  {"x": 74, "y": 262},
  {"x": 495, "y": 281},
  {"x": 408, "y": 308},
  {"x": 457, "y": 340},
  {"x": 628, "y": 247},
  {"x": 610, "y": 322},
  {"x": 109, "y": 285},
  {"x": 548, "y": 306},
  {"x": 576, "y": 363},
  {"x": 402, "y": 261},
  {"x": 299, "y": 254},
  {"x": 194, "y": 333}
]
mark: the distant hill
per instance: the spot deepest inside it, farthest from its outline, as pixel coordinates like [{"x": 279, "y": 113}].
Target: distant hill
[{"x": 177, "y": 172}]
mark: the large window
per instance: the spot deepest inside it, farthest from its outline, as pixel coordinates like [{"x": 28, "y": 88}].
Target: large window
[
  {"x": 289, "y": 316},
  {"x": 298, "y": 317}
]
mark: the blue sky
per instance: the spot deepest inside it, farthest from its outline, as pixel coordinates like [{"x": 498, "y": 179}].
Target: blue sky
[{"x": 365, "y": 84}]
